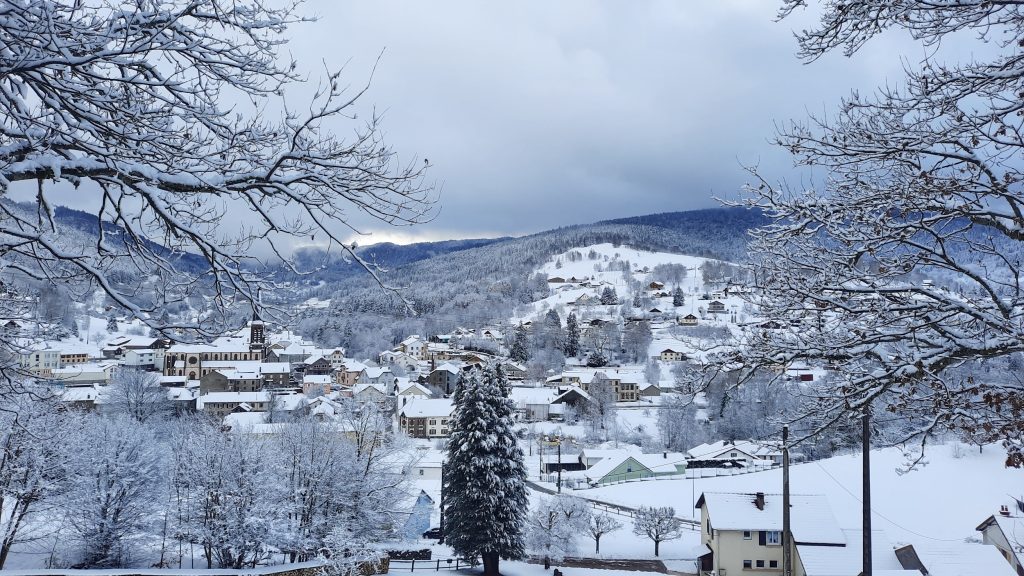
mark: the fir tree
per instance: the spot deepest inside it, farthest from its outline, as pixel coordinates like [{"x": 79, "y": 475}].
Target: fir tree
[
  {"x": 520, "y": 352},
  {"x": 553, "y": 336},
  {"x": 608, "y": 296},
  {"x": 484, "y": 487},
  {"x": 572, "y": 335},
  {"x": 678, "y": 298},
  {"x": 112, "y": 324}
]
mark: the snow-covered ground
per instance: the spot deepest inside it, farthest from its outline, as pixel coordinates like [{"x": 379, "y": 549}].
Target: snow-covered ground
[
  {"x": 524, "y": 569},
  {"x": 941, "y": 501},
  {"x": 565, "y": 294}
]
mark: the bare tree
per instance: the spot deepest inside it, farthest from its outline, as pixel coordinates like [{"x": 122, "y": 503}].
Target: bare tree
[
  {"x": 33, "y": 467},
  {"x": 601, "y": 411},
  {"x": 553, "y": 525},
  {"x": 903, "y": 266},
  {"x": 601, "y": 524},
  {"x": 117, "y": 472},
  {"x": 163, "y": 113},
  {"x": 658, "y": 524},
  {"x": 137, "y": 394}
]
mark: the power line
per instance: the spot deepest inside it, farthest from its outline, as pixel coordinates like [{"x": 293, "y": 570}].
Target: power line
[{"x": 882, "y": 516}]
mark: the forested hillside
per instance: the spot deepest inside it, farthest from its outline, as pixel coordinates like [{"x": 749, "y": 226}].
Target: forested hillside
[{"x": 484, "y": 284}]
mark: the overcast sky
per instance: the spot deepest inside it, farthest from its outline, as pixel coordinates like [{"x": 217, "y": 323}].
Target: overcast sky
[
  {"x": 540, "y": 113},
  {"x": 537, "y": 114}
]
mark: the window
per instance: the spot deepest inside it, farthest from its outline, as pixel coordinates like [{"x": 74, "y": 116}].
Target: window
[
  {"x": 746, "y": 534},
  {"x": 773, "y": 563},
  {"x": 760, "y": 563},
  {"x": 421, "y": 471},
  {"x": 732, "y": 454},
  {"x": 773, "y": 538},
  {"x": 747, "y": 564}
]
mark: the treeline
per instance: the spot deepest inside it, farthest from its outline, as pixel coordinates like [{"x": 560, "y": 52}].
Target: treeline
[{"x": 136, "y": 484}]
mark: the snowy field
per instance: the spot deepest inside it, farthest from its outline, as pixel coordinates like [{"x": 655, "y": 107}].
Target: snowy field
[
  {"x": 563, "y": 295},
  {"x": 942, "y": 501}
]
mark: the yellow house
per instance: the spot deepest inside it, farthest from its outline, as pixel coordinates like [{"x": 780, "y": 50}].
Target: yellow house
[{"x": 743, "y": 532}]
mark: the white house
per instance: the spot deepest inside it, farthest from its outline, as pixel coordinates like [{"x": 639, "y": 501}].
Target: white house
[{"x": 425, "y": 418}]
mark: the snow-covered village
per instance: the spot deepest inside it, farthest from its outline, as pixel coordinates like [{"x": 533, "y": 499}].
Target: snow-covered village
[{"x": 582, "y": 288}]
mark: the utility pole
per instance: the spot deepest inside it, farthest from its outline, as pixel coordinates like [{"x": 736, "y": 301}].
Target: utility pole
[
  {"x": 441, "y": 539},
  {"x": 865, "y": 439},
  {"x": 559, "y": 484},
  {"x": 787, "y": 545},
  {"x": 540, "y": 456}
]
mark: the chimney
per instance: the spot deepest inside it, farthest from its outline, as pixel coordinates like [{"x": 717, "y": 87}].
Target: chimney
[
  {"x": 759, "y": 500},
  {"x": 1004, "y": 510}
]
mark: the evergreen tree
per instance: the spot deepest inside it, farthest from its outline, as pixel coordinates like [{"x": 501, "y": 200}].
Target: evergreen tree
[
  {"x": 553, "y": 336},
  {"x": 484, "y": 488},
  {"x": 112, "y": 324},
  {"x": 608, "y": 296},
  {"x": 572, "y": 335},
  {"x": 678, "y": 298},
  {"x": 520, "y": 352}
]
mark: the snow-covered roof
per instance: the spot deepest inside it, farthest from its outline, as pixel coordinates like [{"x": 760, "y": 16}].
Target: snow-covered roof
[
  {"x": 408, "y": 388},
  {"x": 606, "y": 465},
  {"x": 522, "y": 395},
  {"x": 659, "y": 463},
  {"x": 275, "y": 368},
  {"x": 449, "y": 367},
  {"x": 316, "y": 379},
  {"x": 240, "y": 397},
  {"x": 1013, "y": 529},
  {"x": 288, "y": 402},
  {"x": 427, "y": 407},
  {"x": 377, "y": 371},
  {"x": 222, "y": 344},
  {"x": 244, "y": 419},
  {"x": 81, "y": 394},
  {"x": 414, "y": 339},
  {"x": 182, "y": 394},
  {"x": 354, "y": 366},
  {"x": 962, "y": 559},
  {"x": 239, "y": 374},
  {"x": 133, "y": 342},
  {"x": 572, "y": 390},
  {"x": 812, "y": 521},
  {"x": 358, "y": 388},
  {"x": 590, "y": 453},
  {"x": 847, "y": 560},
  {"x": 750, "y": 448},
  {"x": 242, "y": 365}
]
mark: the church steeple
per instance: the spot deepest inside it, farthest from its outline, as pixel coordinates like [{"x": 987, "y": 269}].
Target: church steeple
[{"x": 257, "y": 330}]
